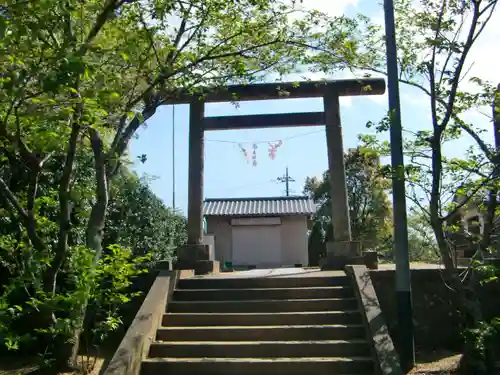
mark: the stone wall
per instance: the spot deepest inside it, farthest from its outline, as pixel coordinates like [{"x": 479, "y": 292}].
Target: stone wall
[{"x": 436, "y": 317}]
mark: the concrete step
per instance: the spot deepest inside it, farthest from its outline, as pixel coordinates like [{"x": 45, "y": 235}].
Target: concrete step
[
  {"x": 262, "y": 282},
  {"x": 262, "y": 319},
  {"x": 262, "y": 293},
  {"x": 246, "y": 366},
  {"x": 260, "y": 306},
  {"x": 259, "y": 349},
  {"x": 262, "y": 333}
]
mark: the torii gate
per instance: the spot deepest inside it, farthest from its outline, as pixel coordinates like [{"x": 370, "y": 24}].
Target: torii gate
[{"x": 195, "y": 254}]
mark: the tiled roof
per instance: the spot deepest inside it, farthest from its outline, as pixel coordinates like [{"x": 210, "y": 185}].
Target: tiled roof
[{"x": 259, "y": 206}]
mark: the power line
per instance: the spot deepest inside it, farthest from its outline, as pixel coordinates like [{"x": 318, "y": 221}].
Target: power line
[
  {"x": 269, "y": 141},
  {"x": 286, "y": 179},
  {"x": 258, "y": 184}
]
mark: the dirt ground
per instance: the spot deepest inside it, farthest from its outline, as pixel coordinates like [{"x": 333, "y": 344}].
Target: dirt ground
[
  {"x": 436, "y": 363},
  {"x": 97, "y": 366},
  {"x": 25, "y": 368}
]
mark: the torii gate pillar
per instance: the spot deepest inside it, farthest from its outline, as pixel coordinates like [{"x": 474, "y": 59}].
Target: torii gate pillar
[
  {"x": 195, "y": 255},
  {"x": 342, "y": 244}
]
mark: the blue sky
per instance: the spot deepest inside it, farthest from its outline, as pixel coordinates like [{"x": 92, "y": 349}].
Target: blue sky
[{"x": 227, "y": 173}]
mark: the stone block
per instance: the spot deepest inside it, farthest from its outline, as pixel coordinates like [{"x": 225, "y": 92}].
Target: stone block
[
  {"x": 370, "y": 259},
  {"x": 163, "y": 265},
  {"x": 344, "y": 248},
  {"x": 200, "y": 267},
  {"x": 333, "y": 262},
  {"x": 339, "y": 262},
  {"x": 193, "y": 253},
  {"x": 387, "y": 358}
]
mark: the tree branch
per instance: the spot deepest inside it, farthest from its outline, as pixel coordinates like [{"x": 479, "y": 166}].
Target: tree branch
[
  {"x": 467, "y": 198},
  {"x": 13, "y": 200},
  {"x": 450, "y": 52},
  {"x": 27, "y": 216},
  {"x": 64, "y": 202},
  {"x": 101, "y": 20},
  {"x": 482, "y": 145},
  {"x": 151, "y": 40},
  {"x": 182, "y": 29},
  {"x": 432, "y": 64},
  {"x": 459, "y": 66},
  {"x": 131, "y": 128},
  {"x": 470, "y": 170},
  {"x": 96, "y": 221}
]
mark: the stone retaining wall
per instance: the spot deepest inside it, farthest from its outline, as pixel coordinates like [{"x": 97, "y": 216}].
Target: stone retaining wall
[{"x": 436, "y": 318}]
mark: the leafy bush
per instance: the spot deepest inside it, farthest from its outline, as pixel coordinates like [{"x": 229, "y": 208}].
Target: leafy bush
[
  {"x": 483, "y": 341},
  {"x": 100, "y": 287}
]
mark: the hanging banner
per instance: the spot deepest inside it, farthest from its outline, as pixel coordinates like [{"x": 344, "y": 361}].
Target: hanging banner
[
  {"x": 273, "y": 148},
  {"x": 245, "y": 153}
]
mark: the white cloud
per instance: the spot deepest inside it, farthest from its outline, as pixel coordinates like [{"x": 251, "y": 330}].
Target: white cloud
[
  {"x": 378, "y": 19},
  {"x": 484, "y": 55},
  {"x": 345, "y": 101},
  {"x": 417, "y": 99},
  {"x": 379, "y": 99},
  {"x": 482, "y": 60},
  {"x": 331, "y": 7}
]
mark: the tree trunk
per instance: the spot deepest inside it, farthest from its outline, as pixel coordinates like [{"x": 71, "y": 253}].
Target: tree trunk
[
  {"x": 64, "y": 212},
  {"x": 465, "y": 299},
  {"x": 464, "y": 295},
  {"x": 489, "y": 225},
  {"x": 95, "y": 228}
]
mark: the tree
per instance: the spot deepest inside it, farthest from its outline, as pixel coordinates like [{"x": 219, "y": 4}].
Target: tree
[
  {"x": 77, "y": 79},
  {"x": 369, "y": 207},
  {"x": 422, "y": 245},
  {"x": 138, "y": 219},
  {"x": 435, "y": 38}
]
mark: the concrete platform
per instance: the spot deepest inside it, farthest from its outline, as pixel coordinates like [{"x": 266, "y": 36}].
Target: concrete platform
[
  {"x": 413, "y": 266},
  {"x": 305, "y": 271},
  {"x": 274, "y": 272}
]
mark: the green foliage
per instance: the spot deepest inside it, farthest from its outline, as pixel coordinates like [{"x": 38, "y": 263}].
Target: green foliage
[
  {"x": 433, "y": 58},
  {"x": 140, "y": 220},
  {"x": 104, "y": 286},
  {"x": 488, "y": 273},
  {"x": 483, "y": 340},
  {"x": 435, "y": 38},
  {"x": 369, "y": 207},
  {"x": 77, "y": 80},
  {"x": 422, "y": 245},
  {"x": 113, "y": 278}
]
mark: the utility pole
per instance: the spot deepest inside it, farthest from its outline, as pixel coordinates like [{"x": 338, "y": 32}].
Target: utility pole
[
  {"x": 286, "y": 179},
  {"x": 173, "y": 157},
  {"x": 403, "y": 277}
]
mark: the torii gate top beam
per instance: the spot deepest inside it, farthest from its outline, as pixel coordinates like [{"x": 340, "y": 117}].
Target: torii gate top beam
[
  {"x": 286, "y": 90},
  {"x": 330, "y": 91}
]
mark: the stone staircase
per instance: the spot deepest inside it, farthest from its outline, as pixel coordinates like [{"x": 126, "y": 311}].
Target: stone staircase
[{"x": 243, "y": 326}]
